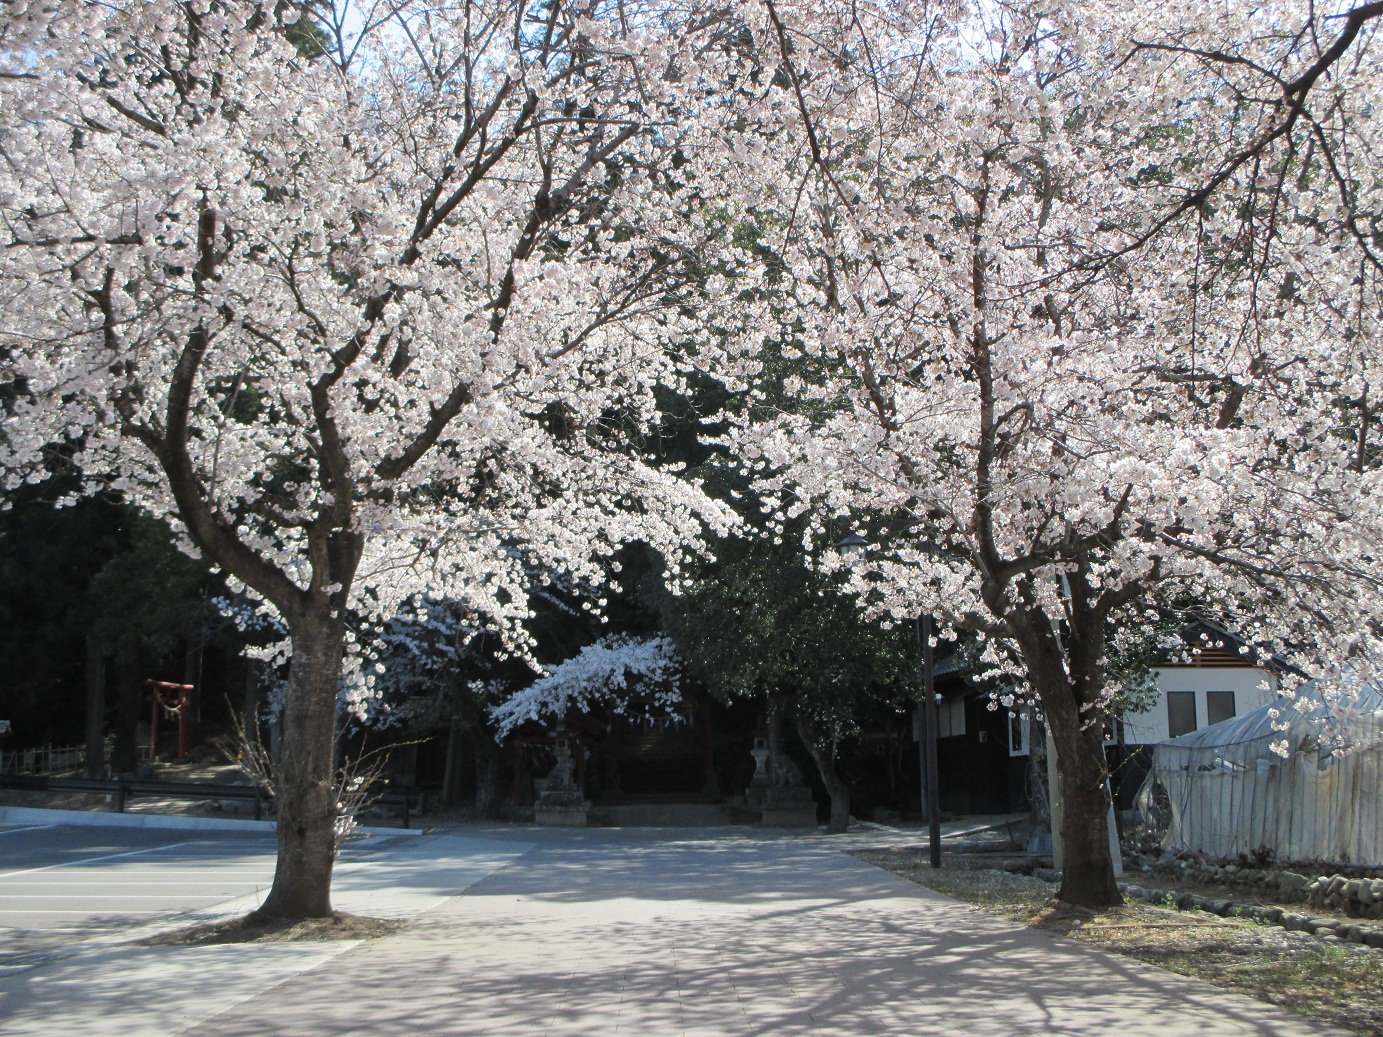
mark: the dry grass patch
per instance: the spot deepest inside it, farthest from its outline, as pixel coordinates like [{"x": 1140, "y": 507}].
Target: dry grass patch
[
  {"x": 253, "y": 929},
  {"x": 1336, "y": 982}
]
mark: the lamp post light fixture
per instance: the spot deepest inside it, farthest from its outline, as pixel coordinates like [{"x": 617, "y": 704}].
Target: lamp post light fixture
[{"x": 853, "y": 548}]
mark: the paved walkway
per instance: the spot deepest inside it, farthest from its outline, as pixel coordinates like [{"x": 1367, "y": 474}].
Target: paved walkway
[{"x": 649, "y": 933}]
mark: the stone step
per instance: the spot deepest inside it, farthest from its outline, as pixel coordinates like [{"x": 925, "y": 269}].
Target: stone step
[{"x": 662, "y": 815}]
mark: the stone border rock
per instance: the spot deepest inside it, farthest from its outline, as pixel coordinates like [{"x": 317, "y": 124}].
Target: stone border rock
[
  {"x": 1356, "y": 897},
  {"x": 1351, "y": 930}
]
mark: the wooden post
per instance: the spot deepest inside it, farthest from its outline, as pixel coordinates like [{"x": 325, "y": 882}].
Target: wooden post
[{"x": 1053, "y": 799}]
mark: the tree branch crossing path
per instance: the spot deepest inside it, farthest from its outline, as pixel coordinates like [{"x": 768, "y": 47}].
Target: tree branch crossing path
[{"x": 517, "y": 931}]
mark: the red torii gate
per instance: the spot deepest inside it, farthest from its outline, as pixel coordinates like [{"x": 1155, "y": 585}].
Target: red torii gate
[{"x": 172, "y": 697}]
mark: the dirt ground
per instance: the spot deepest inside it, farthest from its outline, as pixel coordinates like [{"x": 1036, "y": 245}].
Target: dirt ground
[
  {"x": 251, "y": 929},
  {"x": 1330, "y": 980}
]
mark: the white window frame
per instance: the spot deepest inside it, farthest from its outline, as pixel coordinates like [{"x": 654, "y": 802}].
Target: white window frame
[{"x": 1023, "y": 722}]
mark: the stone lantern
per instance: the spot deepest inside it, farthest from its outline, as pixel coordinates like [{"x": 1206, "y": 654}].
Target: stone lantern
[{"x": 561, "y": 804}]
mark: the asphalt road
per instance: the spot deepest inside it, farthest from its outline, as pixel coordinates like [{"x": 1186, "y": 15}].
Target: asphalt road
[{"x": 60, "y": 885}]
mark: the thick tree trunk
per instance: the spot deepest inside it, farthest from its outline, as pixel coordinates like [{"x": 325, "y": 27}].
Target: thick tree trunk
[
  {"x": 486, "y": 776},
  {"x": 304, "y": 774},
  {"x": 451, "y": 769},
  {"x": 825, "y": 761},
  {"x": 95, "y": 710},
  {"x": 124, "y": 757},
  {"x": 1087, "y": 868}
]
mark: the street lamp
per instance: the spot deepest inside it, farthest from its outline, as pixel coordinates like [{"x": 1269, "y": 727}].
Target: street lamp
[{"x": 853, "y": 548}]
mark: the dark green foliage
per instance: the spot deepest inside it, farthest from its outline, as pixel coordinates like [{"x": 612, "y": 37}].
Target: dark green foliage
[
  {"x": 305, "y": 34},
  {"x": 762, "y": 621},
  {"x": 97, "y": 574}
]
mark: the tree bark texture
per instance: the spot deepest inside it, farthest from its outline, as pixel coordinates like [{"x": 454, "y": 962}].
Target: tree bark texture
[
  {"x": 451, "y": 769},
  {"x": 124, "y": 757},
  {"x": 486, "y": 776},
  {"x": 825, "y": 760},
  {"x": 1087, "y": 869},
  {"x": 95, "y": 710},
  {"x": 304, "y": 772},
  {"x": 1082, "y": 775}
]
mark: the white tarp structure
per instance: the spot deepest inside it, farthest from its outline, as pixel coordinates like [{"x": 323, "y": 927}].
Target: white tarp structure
[{"x": 1230, "y": 793}]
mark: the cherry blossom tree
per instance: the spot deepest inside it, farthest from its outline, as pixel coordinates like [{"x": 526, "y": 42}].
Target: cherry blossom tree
[
  {"x": 362, "y": 308},
  {"x": 1044, "y": 385}
]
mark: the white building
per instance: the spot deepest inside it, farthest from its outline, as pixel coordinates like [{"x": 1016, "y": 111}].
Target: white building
[{"x": 1217, "y": 683}]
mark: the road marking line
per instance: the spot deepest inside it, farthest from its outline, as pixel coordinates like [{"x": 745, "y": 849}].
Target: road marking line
[
  {"x": 126, "y": 881},
  {"x": 87, "y": 914},
  {"x": 126, "y": 871},
  {"x": 138, "y": 882},
  {"x": 90, "y": 860},
  {"x": 29, "y": 828},
  {"x": 122, "y": 897}
]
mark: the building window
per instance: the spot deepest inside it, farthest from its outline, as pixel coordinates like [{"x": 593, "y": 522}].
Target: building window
[
  {"x": 950, "y": 718},
  {"x": 1019, "y": 734},
  {"x": 1219, "y": 705},
  {"x": 1181, "y": 712}
]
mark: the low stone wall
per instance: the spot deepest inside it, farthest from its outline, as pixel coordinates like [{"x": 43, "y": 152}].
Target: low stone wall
[{"x": 1357, "y": 898}]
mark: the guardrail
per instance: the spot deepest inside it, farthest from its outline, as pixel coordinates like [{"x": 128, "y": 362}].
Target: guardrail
[
  {"x": 124, "y": 791},
  {"x": 45, "y": 759},
  {"x": 42, "y": 759}
]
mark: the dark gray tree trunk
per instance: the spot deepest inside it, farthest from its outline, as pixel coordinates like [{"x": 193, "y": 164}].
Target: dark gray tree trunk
[
  {"x": 304, "y": 773},
  {"x": 124, "y": 757},
  {"x": 95, "y": 710},
  {"x": 1082, "y": 775},
  {"x": 825, "y": 760},
  {"x": 486, "y": 776},
  {"x": 1087, "y": 868},
  {"x": 451, "y": 770}
]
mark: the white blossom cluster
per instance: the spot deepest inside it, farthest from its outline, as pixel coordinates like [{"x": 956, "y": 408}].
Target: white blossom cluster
[{"x": 621, "y": 673}]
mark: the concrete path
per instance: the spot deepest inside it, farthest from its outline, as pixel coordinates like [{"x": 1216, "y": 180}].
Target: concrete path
[{"x": 649, "y": 933}]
